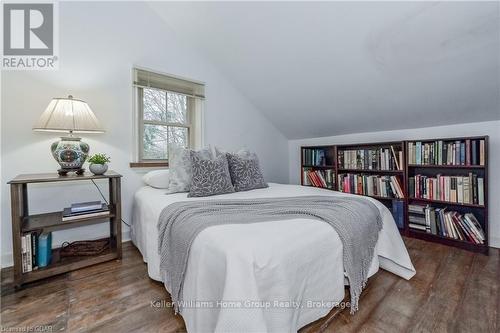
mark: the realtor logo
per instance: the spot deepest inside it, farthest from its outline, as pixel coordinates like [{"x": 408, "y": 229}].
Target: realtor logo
[
  {"x": 29, "y": 36},
  {"x": 28, "y": 29}
]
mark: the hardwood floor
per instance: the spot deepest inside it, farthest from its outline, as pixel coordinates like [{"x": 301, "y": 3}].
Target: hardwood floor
[{"x": 453, "y": 291}]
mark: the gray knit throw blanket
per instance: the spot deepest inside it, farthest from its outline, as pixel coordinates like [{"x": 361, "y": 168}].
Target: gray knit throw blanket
[{"x": 357, "y": 221}]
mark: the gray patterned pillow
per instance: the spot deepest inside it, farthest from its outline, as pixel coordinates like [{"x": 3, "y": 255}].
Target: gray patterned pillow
[
  {"x": 180, "y": 167},
  {"x": 210, "y": 177},
  {"x": 245, "y": 171}
]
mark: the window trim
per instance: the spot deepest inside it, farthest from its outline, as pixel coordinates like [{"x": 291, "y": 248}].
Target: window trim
[
  {"x": 195, "y": 121},
  {"x": 148, "y": 164}
]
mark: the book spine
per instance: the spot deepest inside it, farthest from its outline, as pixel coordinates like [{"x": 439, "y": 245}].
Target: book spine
[
  {"x": 462, "y": 153},
  {"x": 467, "y": 152},
  {"x": 474, "y": 153},
  {"x": 474, "y": 188},
  {"x": 23, "y": 254},
  {"x": 480, "y": 191},
  {"x": 34, "y": 249},
  {"x": 29, "y": 254},
  {"x": 481, "y": 152}
]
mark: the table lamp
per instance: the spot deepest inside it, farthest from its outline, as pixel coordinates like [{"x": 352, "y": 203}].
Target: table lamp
[{"x": 69, "y": 115}]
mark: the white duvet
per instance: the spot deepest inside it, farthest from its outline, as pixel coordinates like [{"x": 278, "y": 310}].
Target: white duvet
[{"x": 262, "y": 277}]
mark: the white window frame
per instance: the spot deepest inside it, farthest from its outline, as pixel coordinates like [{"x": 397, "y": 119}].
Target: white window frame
[{"x": 194, "y": 124}]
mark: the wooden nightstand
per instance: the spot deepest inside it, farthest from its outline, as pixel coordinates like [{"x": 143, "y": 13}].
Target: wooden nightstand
[{"x": 23, "y": 223}]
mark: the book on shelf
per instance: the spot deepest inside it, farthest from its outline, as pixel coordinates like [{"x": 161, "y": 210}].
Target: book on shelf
[
  {"x": 450, "y": 224},
  {"x": 398, "y": 212},
  {"x": 454, "y": 189},
  {"x": 371, "y": 185},
  {"x": 457, "y": 152},
  {"x": 27, "y": 264},
  {"x": 85, "y": 206},
  {"x": 29, "y": 252},
  {"x": 314, "y": 156},
  {"x": 371, "y": 159},
  {"x": 68, "y": 215},
  {"x": 44, "y": 249},
  {"x": 319, "y": 178}
]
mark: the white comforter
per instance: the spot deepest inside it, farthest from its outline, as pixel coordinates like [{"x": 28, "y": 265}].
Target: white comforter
[{"x": 249, "y": 278}]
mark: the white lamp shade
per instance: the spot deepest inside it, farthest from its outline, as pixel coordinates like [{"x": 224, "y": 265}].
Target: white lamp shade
[{"x": 68, "y": 115}]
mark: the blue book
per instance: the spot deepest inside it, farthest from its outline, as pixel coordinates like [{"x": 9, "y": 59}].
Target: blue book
[
  {"x": 474, "y": 153},
  {"x": 321, "y": 158},
  {"x": 397, "y": 213},
  {"x": 462, "y": 153},
  {"x": 44, "y": 253}
]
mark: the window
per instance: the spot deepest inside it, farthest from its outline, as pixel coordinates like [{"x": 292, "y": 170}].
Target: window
[{"x": 168, "y": 112}]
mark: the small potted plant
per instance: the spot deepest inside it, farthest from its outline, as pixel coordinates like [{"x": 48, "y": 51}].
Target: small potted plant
[{"x": 98, "y": 163}]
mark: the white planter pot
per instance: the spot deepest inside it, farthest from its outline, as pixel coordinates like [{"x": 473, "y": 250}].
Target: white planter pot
[{"x": 98, "y": 169}]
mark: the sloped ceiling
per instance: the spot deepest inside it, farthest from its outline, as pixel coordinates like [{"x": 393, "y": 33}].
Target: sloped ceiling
[{"x": 328, "y": 68}]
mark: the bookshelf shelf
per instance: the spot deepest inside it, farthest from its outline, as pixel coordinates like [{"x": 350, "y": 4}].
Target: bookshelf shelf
[
  {"x": 480, "y": 248},
  {"x": 319, "y": 166},
  {"x": 433, "y": 166},
  {"x": 378, "y": 197},
  {"x": 372, "y": 171},
  {"x": 335, "y": 155},
  {"x": 445, "y": 202}
]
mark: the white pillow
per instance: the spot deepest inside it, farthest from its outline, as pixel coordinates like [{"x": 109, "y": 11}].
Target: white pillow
[{"x": 157, "y": 178}]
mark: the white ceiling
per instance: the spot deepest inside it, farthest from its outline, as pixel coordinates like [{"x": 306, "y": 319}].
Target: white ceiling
[{"x": 328, "y": 68}]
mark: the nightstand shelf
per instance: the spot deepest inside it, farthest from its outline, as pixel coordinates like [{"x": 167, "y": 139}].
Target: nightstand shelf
[
  {"x": 23, "y": 223},
  {"x": 63, "y": 265},
  {"x": 53, "y": 221}
]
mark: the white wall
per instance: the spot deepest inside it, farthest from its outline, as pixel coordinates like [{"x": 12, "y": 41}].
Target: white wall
[
  {"x": 491, "y": 128},
  {"x": 99, "y": 44}
]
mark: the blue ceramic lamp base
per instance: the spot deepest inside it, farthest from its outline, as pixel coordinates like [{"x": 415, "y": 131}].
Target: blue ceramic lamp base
[{"x": 70, "y": 153}]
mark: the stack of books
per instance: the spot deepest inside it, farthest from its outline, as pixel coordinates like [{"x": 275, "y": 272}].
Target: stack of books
[
  {"x": 371, "y": 159},
  {"x": 85, "y": 210},
  {"x": 371, "y": 185},
  {"x": 36, "y": 250},
  {"x": 466, "y": 152},
  {"x": 444, "y": 223},
  {"x": 319, "y": 178},
  {"x": 455, "y": 189},
  {"x": 314, "y": 156},
  {"x": 28, "y": 252}
]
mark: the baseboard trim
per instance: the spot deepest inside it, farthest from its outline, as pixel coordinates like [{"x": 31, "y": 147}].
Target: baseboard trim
[
  {"x": 7, "y": 258},
  {"x": 495, "y": 242}
]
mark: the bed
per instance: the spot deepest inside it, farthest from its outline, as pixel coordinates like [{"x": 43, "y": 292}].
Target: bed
[{"x": 262, "y": 277}]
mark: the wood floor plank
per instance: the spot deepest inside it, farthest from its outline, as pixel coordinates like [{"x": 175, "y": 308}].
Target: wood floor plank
[
  {"x": 400, "y": 300},
  {"x": 145, "y": 319},
  {"x": 442, "y": 298},
  {"x": 476, "y": 302},
  {"x": 453, "y": 291}
]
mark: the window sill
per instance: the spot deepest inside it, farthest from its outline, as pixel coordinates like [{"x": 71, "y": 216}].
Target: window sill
[{"x": 148, "y": 164}]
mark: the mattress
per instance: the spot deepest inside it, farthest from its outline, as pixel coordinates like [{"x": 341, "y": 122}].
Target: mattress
[{"x": 262, "y": 277}]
